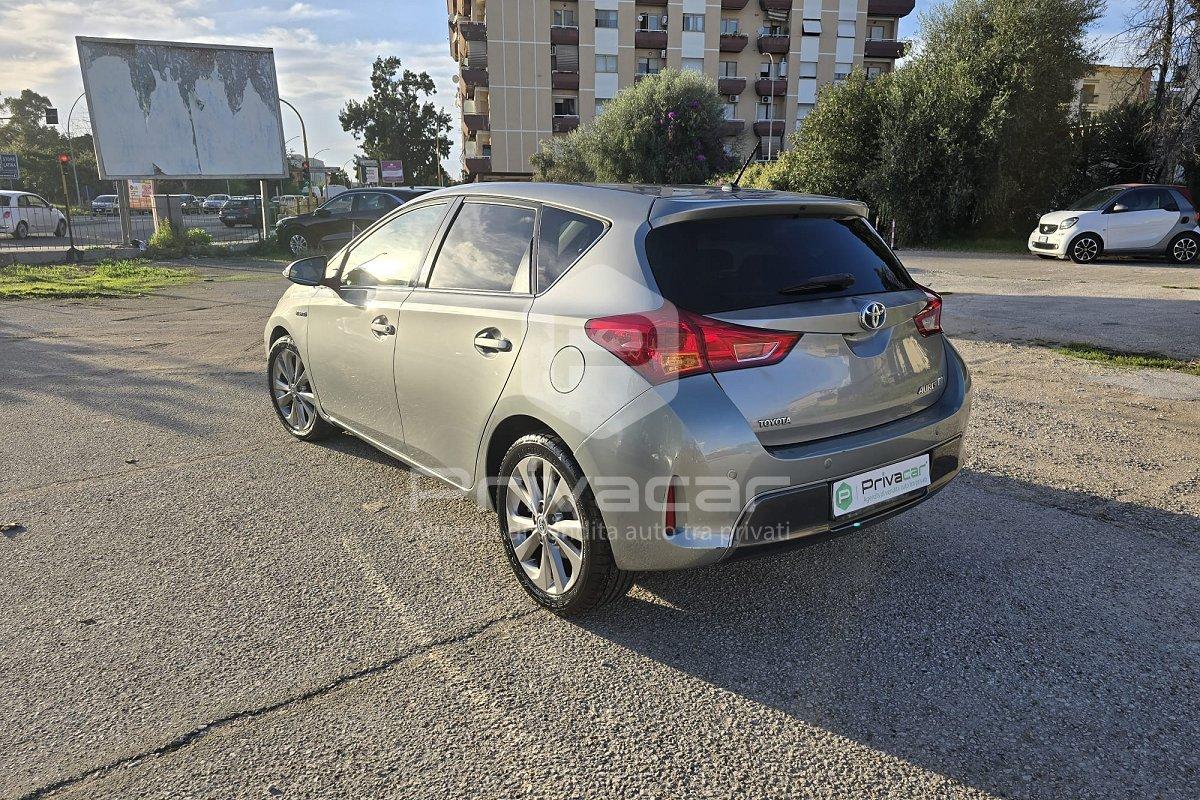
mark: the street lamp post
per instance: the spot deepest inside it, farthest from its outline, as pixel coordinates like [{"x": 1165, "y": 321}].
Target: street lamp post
[
  {"x": 71, "y": 150},
  {"x": 304, "y": 137}
]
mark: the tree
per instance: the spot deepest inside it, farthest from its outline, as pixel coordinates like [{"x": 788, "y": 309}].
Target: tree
[
  {"x": 665, "y": 128},
  {"x": 1113, "y": 146},
  {"x": 395, "y": 123},
  {"x": 971, "y": 135}
]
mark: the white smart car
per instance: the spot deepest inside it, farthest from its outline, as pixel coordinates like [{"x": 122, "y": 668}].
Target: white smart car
[
  {"x": 1126, "y": 220},
  {"x": 24, "y": 214}
]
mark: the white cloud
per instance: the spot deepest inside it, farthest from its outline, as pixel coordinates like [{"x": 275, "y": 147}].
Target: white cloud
[{"x": 309, "y": 11}]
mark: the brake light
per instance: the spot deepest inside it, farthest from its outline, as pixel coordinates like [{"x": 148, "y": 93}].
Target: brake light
[
  {"x": 672, "y": 343},
  {"x": 929, "y": 318}
]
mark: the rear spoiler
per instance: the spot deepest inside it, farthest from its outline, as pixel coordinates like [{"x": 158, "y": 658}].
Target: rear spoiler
[{"x": 669, "y": 210}]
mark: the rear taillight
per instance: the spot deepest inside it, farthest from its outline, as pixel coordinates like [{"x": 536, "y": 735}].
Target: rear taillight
[
  {"x": 672, "y": 343},
  {"x": 929, "y": 318}
]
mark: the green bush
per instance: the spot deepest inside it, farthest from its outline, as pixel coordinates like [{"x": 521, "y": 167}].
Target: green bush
[
  {"x": 166, "y": 243},
  {"x": 197, "y": 237}
]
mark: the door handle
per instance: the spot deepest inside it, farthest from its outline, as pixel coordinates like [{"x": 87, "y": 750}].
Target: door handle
[
  {"x": 492, "y": 340},
  {"x": 381, "y": 327}
]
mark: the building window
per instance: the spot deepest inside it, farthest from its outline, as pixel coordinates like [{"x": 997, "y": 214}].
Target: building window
[
  {"x": 729, "y": 26},
  {"x": 842, "y": 71},
  {"x": 652, "y": 22},
  {"x": 770, "y": 108},
  {"x": 649, "y": 66},
  {"x": 693, "y": 22},
  {"x": 876, "y": 33},
  {"x": 874, "y": 71},
  {"x": 808, "y": 69},
  {"x": 773, "y": 30},
  {"x": 565, "y": 18},
  {"x": 606, "y": 19},
  {"x": 803, "y": 110},
  {"x": 564, "y": 58},
  {"x": 730, "y": 111},
  {"x": 601, "y": 102},
  {"x": 565, "y": 107},
  {"x": 846, "y": 30},
  {"x": 606, "y": 63},
  {"x": 812, "y": 27},
  {"x": 778, "y": 69},
  {"x": 728, "y": 69},
  {"x": 694, "y": 64},
  {"x": 770, "y": 147}
]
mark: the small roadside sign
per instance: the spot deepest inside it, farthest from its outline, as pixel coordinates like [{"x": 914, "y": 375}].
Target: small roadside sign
[{"x": 10, "y": 167}]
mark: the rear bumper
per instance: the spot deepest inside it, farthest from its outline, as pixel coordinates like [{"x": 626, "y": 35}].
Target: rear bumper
[{"x": 735, "y": 495}]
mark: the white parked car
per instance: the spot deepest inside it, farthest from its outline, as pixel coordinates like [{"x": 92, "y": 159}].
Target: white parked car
[
  {"x": 24, "y": 214},
  {"x": 1127, "y": 220}
]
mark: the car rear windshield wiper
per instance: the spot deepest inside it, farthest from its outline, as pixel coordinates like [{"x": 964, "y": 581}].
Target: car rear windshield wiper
[{"x": 821, "y": 283}]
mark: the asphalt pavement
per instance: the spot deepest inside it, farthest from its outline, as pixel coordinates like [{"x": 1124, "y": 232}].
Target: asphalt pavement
[{"x": 196, "y": 605}]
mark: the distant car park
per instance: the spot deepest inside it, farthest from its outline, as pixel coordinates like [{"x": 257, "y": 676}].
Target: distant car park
[
  {"x": 105, "y": 204},
  {"x": 212, "y": 204}
]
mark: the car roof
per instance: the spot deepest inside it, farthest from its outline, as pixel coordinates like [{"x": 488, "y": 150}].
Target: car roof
[
  {"x": 662, "y": 204},
  {"x": 15, "y": 192}
]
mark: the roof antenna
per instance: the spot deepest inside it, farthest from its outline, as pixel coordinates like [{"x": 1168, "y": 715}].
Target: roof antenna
[{"x": 734, "y": 186}]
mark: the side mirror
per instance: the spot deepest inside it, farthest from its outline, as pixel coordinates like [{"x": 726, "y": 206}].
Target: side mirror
[
  {"x": 1117, "y": 208},
  {"x": 307, "y": 271}
]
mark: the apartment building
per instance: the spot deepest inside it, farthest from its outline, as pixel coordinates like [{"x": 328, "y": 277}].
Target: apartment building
[
  {"x": 1105, "y": 86},
  {"x": 532, "y": 69}
]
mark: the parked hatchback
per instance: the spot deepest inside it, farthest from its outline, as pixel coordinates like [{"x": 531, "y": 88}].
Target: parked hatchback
[
  {"x": 213, "y": 203},
  {"x": 105, "y": 204},
  {"x": 631, "y": 378},
  {"x": 340, "y": 219},
  {"x": 25, "y": 214},
  {"x": 1122, "y": 220},
  {"x": 241, "y": 211}
]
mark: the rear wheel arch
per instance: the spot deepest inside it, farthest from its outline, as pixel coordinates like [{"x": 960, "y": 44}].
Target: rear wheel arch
[{"x": 503, "y": 437}]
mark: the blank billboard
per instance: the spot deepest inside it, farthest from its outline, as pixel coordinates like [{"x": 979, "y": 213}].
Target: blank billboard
[{"x": 179, "y": 110}]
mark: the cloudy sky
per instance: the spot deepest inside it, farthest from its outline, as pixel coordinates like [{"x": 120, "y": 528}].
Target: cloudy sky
[{"x": 323, "y": 49}]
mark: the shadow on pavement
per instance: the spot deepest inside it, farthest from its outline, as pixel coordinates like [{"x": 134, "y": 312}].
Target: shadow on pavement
[{"x": 1017, "y": 648}]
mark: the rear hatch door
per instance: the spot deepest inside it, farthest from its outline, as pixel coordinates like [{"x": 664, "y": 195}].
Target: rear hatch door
[{"x": 853, "y": 367}]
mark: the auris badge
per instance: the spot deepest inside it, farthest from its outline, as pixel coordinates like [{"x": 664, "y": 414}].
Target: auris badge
[{"x": 872, "y": 316}]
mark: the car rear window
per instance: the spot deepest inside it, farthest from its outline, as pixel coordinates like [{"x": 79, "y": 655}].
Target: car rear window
[
  {"x": 732, "y": 263},
  {"x": 4, "y": 201},
  {"x": 237, "y": 203}
]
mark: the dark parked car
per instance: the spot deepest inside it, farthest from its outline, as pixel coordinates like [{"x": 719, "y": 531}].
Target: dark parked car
[
  {"x": 191, "y": 203},
  {"x": 341, "y": 218},
  {"x": 241, "y": 211}
]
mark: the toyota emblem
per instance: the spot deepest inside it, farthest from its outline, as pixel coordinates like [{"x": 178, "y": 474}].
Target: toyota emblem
[{"x": 872, "y": 316}]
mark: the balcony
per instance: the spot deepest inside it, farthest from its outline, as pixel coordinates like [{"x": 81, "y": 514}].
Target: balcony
[
  {"x": 890, "y": 8},
  {"x": 733, "y": 42},
  {"x": 650, "y": 40},
  {"x": 731, "y": 85},
  {"x": 472, "y": 31},
  {"x": 564, "y": 123},
  {"x": 564, "y": 80},
  {"x": 732, "y": 127},
  {"x": 477, "y": 165},
  {"x": 474, "y": 123},
  {"x": 733, "y": 5},
  {"x": 771, "y": 88},
  {"x": 471, "y": 79},
  {"x": 778, "y": 43},
  {"x": 564, "y": 34},
  {"x": 776, "y": 5},
  {"x": 883, "y": 48},
  {"x": 768, "y": 127}
]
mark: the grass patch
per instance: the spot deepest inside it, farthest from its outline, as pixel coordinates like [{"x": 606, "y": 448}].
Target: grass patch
[
  {"x": 994, "y": 244},
  {"x": 121, "y": 278},
  {"x": 1115, "y": 358}
]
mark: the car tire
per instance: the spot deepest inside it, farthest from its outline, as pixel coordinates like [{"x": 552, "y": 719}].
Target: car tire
[
  {"x": 297, "y": 243},
  {"x": 1184, "y": 249},
  {"x": 60, "y": 230},
  {"x": 297, "y": 410},
  {"x": 21, "y": 231},
  {"x": 563, "y": 559},
  {"x": 1085, "y": 248}
]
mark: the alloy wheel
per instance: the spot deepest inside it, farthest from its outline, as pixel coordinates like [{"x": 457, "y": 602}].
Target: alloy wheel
[
  {"x": 544, "y": 525},
  {"x": 292, "y": 391},
  {"x": 1085, "y": 249},
  {"x": 1185, "y": 249},
  {"x": 298, "y": 244}
]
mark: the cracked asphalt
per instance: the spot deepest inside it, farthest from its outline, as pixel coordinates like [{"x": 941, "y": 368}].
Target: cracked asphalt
[{"x": 192, "y": 604}]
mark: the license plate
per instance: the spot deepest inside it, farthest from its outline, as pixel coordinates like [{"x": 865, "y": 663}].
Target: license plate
[
  {"x": 1043, "y": 239},
  {"x": 870, "y": 488}
]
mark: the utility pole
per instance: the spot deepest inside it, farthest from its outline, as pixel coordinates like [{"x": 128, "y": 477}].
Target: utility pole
[
  {"x": 62, "y": 159},
  {"x": 71, "y": 150}
]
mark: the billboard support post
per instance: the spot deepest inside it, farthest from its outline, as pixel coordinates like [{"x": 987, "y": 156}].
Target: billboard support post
[
  {"x": 73, "y": 253},
  {"x": 262, "y": 193},
  {"x": 123, "y": 205}
]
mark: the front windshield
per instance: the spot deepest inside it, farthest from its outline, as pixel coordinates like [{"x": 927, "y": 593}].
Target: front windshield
[{"x": 1095, "y": 200}]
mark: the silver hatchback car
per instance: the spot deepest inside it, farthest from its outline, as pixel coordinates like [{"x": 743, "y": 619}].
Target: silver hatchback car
[{"x": 633, "y": 377}]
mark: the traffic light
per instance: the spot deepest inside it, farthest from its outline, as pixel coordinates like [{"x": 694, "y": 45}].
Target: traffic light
[
  {"x": 64, "y": 158},
  {"x": 51, "y": 116}
]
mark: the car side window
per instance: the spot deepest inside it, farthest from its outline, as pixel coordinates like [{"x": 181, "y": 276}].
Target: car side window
[
  {"x": 391, "y": 254},
  {"x": 375, "y": 201},
  {"x": 563, "y": 237},
  {"x": 23, "y": 201},
  {"x": 342, "y": 204},
  {"x": 1140, "y": 200},
  {"x": 487, "y": 248},
  {"x": 38, "y": 202},
  {"x": 1167, "y": 200}
]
